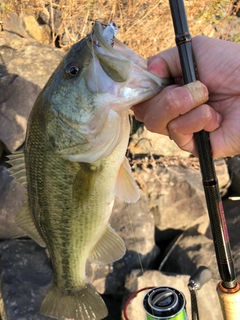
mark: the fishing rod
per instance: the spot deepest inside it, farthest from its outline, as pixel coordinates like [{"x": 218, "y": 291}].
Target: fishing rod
[{"x": 228, "y": 288}]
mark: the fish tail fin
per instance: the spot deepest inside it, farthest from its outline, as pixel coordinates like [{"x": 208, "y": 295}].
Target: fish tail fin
[{"x": 83, "y": 304}]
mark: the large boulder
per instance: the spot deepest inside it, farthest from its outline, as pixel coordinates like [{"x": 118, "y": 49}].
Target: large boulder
[
  {"x": 234, "y": 171},
  {"x": 13, "y": 28},
  {"x": 175, "y": 196},
  {"x": 25, "y": 277},
  {"x": 29, "y": 59}
]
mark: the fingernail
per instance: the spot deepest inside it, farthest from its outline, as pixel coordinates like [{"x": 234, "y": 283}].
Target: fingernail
[
  {"x": 156, "y": 65},
  {"x": 152, "y": 61}
]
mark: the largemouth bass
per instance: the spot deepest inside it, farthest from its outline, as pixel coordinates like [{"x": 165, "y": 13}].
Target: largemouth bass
[{"x": 74, "y": 165}]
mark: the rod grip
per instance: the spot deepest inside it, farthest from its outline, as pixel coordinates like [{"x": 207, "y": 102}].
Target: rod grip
[
  {"x": 229, "y": 301},
  {"x": 200, "y": 277}
]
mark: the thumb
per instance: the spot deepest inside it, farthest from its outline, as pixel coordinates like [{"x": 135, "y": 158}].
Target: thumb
[{"x": 166, "y": 64}]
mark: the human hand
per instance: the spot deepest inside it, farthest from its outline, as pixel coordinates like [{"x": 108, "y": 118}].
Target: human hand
[{"x": 174, "y": 111}]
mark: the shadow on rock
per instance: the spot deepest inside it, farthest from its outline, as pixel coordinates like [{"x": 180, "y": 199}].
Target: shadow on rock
[
  {"x": 15, "y": 108},
  {"x": 115, "y": 280}
]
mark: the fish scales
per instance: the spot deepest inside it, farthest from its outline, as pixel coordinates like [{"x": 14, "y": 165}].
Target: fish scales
[
  {"x": 55, "y": 186},
  {"x": 75, "y": 165}
]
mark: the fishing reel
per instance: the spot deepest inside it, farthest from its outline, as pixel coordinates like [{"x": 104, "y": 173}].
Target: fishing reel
[{"x": 169, "y": 303}]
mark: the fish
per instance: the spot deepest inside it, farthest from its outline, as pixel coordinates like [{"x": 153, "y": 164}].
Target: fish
[{"x": 74, "y": 164}]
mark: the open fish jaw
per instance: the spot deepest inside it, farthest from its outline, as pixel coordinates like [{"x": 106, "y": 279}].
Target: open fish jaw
[{"x": 137, "y": 84}]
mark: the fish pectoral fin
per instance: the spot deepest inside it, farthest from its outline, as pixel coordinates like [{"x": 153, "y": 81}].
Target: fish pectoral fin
[
  {"x": 109, "y": 248},
  {"x": 18, "y": 169},
  {"x": 25, "y": 221},
  {"x": 84, "y": 181},
  {"x": 117, "y": 69},
  {"x": 84, "y": 303},
  {"x": 126, "y": 188}
]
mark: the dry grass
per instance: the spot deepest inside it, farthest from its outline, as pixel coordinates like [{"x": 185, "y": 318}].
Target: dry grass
[{"x": 144, "y": 25}]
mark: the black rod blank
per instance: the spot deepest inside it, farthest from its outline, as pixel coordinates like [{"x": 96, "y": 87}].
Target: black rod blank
[{"x": 210, "y": 183}]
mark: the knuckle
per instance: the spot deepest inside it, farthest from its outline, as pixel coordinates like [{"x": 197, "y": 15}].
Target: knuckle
[
  {"x": 151, "y": 124},
  {"x": 172, "y": 129},
  {"x": 172, "y": 103},
  {"x": 178, "y": 101},
  {"x": 207, "y": 112}
]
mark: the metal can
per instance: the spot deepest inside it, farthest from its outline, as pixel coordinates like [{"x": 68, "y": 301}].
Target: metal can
[{"x": 165, "y": 303}]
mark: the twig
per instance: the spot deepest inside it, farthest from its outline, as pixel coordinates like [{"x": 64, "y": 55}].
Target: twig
[{"x": 52, "y": 22}]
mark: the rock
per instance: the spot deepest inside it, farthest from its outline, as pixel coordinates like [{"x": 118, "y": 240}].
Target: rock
[
  {"x": 1, "y": 149},
  {"x": 33, "y": 61},
  {"x": 41, "y": 33},
  {"x": 236, "y": 259},
  {"x": 209, "y": 307},
  {"x": 15, "y": 108},
  {"x": 190, "y": 251},
  {"x": 231, "y": 209},
  {"x": 176, "y": 197},
  {"x": 145, "y": 142},
  {"x": 25, "y": 277},
  {"x": 232, "y": 216},
  {"x": 12, "y": 198},
  {"x": 135, "y": 225},
  {"x": 114, "y": 306},
  {"x": 26, "y": 67},
  {"x": 45, "y": 18},
  {"x": 223, "y": 176},
  {"x": 175, "y": 194},
  {"x": 234, "y": 171},
  {"x": 13, "y": 27},
  {"x": 26, "y": 26}
]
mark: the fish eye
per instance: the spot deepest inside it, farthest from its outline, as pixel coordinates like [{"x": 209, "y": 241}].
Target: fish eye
[{"x": 72, "y": 69}]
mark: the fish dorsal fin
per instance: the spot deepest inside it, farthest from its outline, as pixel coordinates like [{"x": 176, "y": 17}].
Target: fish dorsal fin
[
  {"x": 126, "y": 188},
  {"x": 18, "y": 169},
  {"x": 117, "y": 69},
  {"x": 25, "y": 221},
  {"x": 109, "y": 248}
]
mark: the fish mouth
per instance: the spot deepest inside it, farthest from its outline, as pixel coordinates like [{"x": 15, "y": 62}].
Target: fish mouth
[
  {"x": 123, "y": 73},
  {"x": 103, "y": 37},
  {"x": 103, "y": 40}
]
